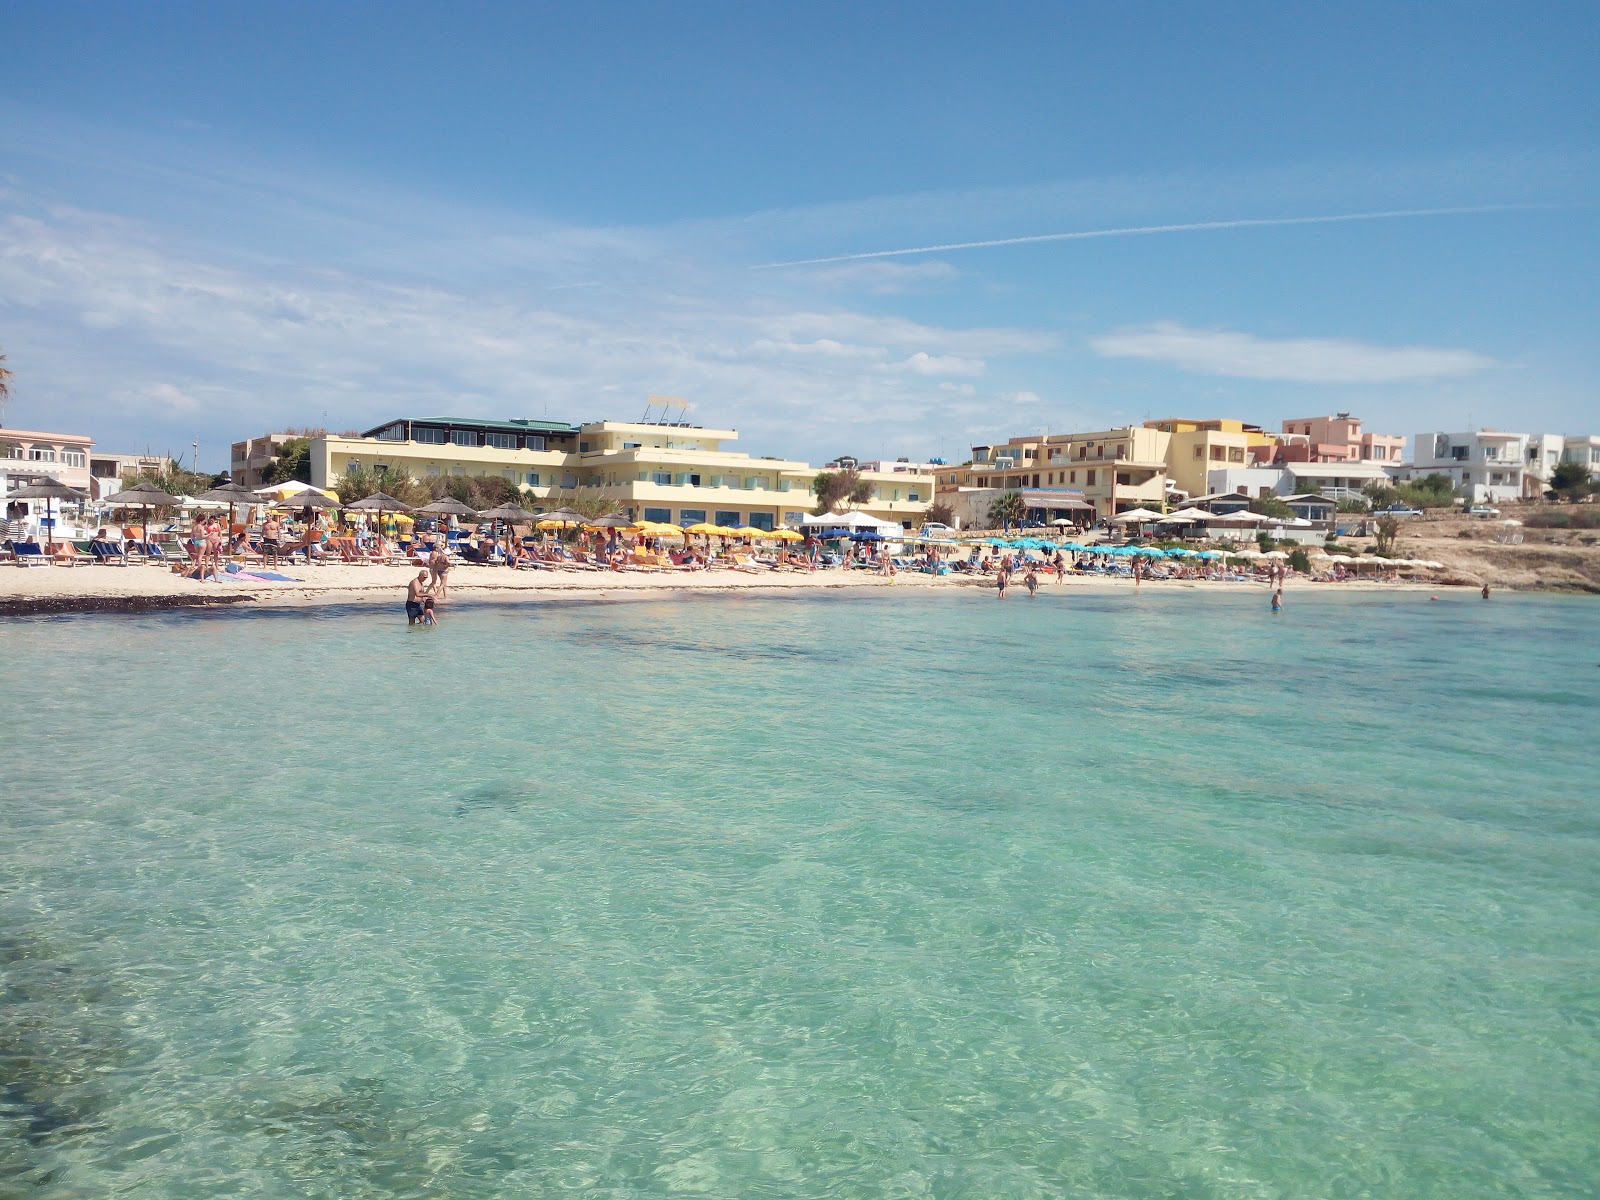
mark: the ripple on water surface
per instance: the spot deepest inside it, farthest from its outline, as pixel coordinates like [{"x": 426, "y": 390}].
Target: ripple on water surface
[{"x": 912, "y": 896}]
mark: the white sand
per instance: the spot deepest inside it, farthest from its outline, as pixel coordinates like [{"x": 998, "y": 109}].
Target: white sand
[{"x": 344, "y": 584}]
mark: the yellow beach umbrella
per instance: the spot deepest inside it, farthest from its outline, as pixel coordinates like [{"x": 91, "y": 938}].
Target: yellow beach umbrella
[
  {"x": 750, "y": 531},
  {"x": 787, "y": 535},
  {"x": 704, "y": 527},
  {"x": 664, "y": 529},
  {"x": 724, "y": 531}
]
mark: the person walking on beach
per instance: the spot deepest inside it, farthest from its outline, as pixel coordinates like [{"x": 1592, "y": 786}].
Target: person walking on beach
[
  {"x": 271, "y": 537},
  {"x": 438, "y": 568},
  {"x": 1060, "y": 565},
  {"x": 416, "y": 595},
  {"x": 1001, "y": 578}
]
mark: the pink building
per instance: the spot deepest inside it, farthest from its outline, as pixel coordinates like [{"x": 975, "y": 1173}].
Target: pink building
[{"x": 1338, "y": 439}]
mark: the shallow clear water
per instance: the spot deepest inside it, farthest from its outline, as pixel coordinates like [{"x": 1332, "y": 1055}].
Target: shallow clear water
[{"x": 909, "y": 895}]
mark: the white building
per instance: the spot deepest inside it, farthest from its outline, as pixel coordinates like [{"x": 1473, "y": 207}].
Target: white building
[
  {"x": 1335, "y": 480},
  {"x": 1583, "y": 448},
  {"x": 1488, "y": 465}
]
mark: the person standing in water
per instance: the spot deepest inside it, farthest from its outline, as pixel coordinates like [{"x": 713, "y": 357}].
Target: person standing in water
[
  {"x": 1277, "y": 600},
  {"x": 1001, "y": 578},
  {"x": 416, "y": 594},
  {"x": 1031, "y": 580},
  {"x": 1486, "y": 591}
]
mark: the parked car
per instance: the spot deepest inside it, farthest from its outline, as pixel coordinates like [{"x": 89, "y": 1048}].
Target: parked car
[
  {"x": 1397, "y": 510},
  {"x": 1482, "y": 510}
]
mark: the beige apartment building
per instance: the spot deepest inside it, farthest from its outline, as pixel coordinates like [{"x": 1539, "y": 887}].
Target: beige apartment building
[
  {"x": 655, "y": 471},
  {"x": 1197, "y": 447},
  {"x": 1114, "y": 469}
]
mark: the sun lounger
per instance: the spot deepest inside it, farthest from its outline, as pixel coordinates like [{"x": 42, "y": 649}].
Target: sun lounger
[{"x": 29, "y": 554}]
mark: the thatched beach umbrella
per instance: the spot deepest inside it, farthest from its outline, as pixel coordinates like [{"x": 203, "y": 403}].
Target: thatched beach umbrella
[
  {"x": 147, "y": 496},
  {"x": 232, "y": 495},
  {"x": 379, "y": 503},
  {"x": 447, "y": 507},
  {"x": 310, "y": 498},
  {"x": 48, "y": 490},
  {"x": 507, "y": 513}
]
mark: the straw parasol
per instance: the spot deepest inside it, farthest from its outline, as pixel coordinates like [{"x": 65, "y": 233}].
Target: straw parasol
[
  {"x": 48, "y": 490},
  {"x": 232, "y": 495},
  {"x": 380, "y": 503},
  {"x": 448, "y": 507},
  {"x": 147, "y": 496},
  {"x": 309, "y": 498},
  {"x": 507, "y": 513}
]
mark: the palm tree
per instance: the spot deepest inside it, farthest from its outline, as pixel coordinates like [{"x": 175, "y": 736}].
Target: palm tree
[
  {"x": 5, "y": 386},
  {"x": 1007, "y": 507}
]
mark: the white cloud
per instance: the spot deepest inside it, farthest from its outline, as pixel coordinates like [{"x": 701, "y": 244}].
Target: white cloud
[
  {"x": 129, "y": 335},
  {"x": 1289, "y": 360},
  {"x": 923, "y": 363}
]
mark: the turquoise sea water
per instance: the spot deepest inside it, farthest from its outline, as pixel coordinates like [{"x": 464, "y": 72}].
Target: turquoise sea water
[{"x": 893, "y": 895}]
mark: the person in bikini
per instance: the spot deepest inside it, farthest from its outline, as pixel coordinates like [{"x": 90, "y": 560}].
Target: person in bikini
[{"x": 439, "y": 567}]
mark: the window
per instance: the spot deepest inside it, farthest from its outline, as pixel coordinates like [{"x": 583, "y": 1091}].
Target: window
[
  {"x": 728, "y": 518},
  {"x": 659, "y": 515},
  {"x": 569, "y": 480},
  {"x": 40, "y": 454},
  {"x": 74, "y": 458},
  {"x": 1199, "y": 451},
  {"x": 661, "y": 478},
  {"x": 1458, "y": 453},
  {"x": 1072, "y": 477},
  {"x": 630, "y": 445},
  {"x": 463, "y": 437},
  {"x": 1236, "y": 454},
  {"x": 532, "y": 478},
  {"x": 785, "y": 484},
  {"x": 392, "y": 433},
  {"x": 793, "y": 518},
  {"x": 534, "y": 441},
  {"x": 583, "y": 447},
  {"x": 432, "y": 469},
  {"x": 1088, "y": 478},
  {"x": 691, "y": 516},
  {"x": 761, "y": 520},
  {"x": 428, "y": 434},
  {"x": 754, "y": 483},
  {"x": 1217, "y": 453},
  {"x": 500, "y": 441},
  {"x": 915, "y": 497},
  {"x": 458, "y": 470},
  {"x": 1124, "y": 477}
]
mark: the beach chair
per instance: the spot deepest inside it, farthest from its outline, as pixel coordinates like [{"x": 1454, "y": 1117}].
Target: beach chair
[
  {"x": 67, "y": 554},
  {"x": 29, "y": 554},
  {"x": 171, "y": 550}
]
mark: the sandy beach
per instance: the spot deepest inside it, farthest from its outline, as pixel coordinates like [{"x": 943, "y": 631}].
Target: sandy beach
[{"x": 96, "y": 588}]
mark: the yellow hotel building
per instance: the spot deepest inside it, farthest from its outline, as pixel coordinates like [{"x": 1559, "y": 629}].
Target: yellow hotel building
[{"x": 654, "y": 471}]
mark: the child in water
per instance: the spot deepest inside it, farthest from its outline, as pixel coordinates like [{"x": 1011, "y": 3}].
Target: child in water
[{"x": 429, "y": 617}]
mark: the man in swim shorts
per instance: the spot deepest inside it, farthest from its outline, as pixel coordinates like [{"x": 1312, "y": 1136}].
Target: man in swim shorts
[{"x": 416, "y": 593}]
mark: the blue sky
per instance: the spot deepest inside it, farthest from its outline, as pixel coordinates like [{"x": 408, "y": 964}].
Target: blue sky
[{"x": 217, "y": 220}]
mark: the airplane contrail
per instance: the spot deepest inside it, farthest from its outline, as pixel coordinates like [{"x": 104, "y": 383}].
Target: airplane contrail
[{"x": 1133, "y": 230}]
